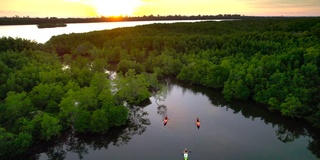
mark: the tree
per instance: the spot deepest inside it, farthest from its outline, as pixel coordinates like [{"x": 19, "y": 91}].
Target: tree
[
  {"x": 71, "y": 85},
  {"x": 82, "y": 121},
  {"x": 22, "y": 143},
  {"x": 99, "y": 121},
  {"x": 50, "y": 127},
  {"x": 217, "y": 76},
  {"x": 132, "y": 88},
  {"x": 99, "y": 65},
  {"x": 114, "y": 54},
  {"x": 106, "y": 98},
  {"x": 18, "y": 44},
  {"x": 125, "y": 65},
  {"x": 118, "y": 115},
  {"x": 86, "y": 99},
  {"x": 56, "y": 76},
  {"x": 82, "y": 76},
  {"x": 83, "y": 48},
  {"x": 99, "y": 82},
  {"x": 6, "y": 142},
  {"x": 17, "y": 105},
  {"x": 47, "y": 97},
  {"x": 68, "y": 108},
  {"x": 291, "y": 106}
]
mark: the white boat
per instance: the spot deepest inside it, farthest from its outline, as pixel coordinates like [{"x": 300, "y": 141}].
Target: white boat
[{"x": 185, "y": 156}]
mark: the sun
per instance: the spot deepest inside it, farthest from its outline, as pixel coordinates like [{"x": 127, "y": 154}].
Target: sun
[{"x": 115, "y": 7}]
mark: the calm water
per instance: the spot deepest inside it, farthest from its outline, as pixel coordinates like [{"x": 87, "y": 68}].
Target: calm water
[
  {"x": 32, "y": 32},
  {"x": 228, "y": 131}
]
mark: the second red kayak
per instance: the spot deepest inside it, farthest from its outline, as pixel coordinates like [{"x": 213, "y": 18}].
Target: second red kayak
[
  {"x": 198, "y": 123},
  {"x": 165, "y": 121}
]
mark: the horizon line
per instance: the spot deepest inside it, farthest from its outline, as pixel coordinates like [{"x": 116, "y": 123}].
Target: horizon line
[{"x": 157, "y": 15}]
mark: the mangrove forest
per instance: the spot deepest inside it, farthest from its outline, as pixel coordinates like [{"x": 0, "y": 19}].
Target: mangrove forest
[{"x": 66, "y": 84}]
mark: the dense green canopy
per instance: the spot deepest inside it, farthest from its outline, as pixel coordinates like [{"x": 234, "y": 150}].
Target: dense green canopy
[{"x": 274, "y": 61}]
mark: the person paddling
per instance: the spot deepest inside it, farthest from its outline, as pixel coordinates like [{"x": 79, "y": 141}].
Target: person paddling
[
  {"x": 198, "y": 122},
  {"x": 165, "y": 120},
  {"x": 185, "y": 154}
]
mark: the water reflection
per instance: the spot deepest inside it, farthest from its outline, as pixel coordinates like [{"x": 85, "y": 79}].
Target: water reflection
[
  {"x": 56, "y": 153},
  {"x": 162, "y": 110},
  {"x": 314, "y": 145},
  {"x": 286, "y": 129},
  {"x": 160, "y": 96}
]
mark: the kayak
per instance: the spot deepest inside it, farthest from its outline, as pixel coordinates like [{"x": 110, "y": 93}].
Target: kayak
[
  {"x": 185, "y": 156},
  {"x": 198, "y": 123},
  {"x": 165, "y": 121}
]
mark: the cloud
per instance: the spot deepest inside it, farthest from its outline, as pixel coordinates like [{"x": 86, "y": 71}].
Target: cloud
[
  {"x": 282, "y": 7},
  {"x": 284, "y": 3},
  {"x": 11, "y": 13}
]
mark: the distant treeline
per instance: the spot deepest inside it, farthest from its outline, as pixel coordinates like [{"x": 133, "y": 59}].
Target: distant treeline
[{"x": 28, "y": 20}]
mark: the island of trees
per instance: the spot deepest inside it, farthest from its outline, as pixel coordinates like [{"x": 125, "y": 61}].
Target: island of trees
[
  {"x": 51, "y": 25},
  {"x": 47, "y": 89}
]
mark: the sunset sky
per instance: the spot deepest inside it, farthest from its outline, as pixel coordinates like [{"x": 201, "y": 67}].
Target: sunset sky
[{"x": 94, "y": 8}]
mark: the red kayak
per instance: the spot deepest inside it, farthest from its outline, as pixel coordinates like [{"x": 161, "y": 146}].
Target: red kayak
[
  {"x": 165, "y": 121},
  {"x": 198, "y": 123}
]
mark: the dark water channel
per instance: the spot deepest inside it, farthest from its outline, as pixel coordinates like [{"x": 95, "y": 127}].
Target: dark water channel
[{"x": 237, "y": 130}]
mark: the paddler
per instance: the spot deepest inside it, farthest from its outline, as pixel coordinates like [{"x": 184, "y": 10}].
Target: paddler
[
  {"x": 185, "y": 154},
  {"x": 198, "y": 123},
  {"x": 165, "y": 120}
]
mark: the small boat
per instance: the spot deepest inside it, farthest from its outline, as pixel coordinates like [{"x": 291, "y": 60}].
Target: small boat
[
  {"x": 185, "y": 154},
  {"x": 165, "y": 121},
  {"x": 198, "y": 123}
]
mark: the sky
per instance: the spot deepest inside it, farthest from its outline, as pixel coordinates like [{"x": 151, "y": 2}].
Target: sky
[{"x": 97, "y": 8}]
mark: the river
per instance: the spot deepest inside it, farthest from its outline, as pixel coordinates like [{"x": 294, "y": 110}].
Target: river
[
  {"x": 32, "y": 32},
  {"x": 236, "y": 130}
]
